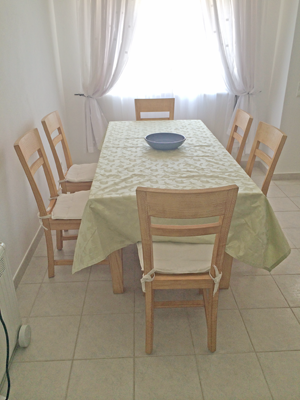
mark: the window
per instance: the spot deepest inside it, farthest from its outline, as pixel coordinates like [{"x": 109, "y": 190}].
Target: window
[{"x": 174, "y": 52}]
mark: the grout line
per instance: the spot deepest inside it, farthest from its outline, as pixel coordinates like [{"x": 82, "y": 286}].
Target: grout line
[
  {"x": 76, "y": 340},
  {"x": 133, "y": 349},
  {"x": 255, "y": 352}
]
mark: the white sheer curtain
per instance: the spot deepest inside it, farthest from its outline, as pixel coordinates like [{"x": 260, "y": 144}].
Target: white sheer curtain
[
  {"x": 106, "y": 28},
  {"x": 237, "y": 24},
  {"x": 174, "y": 54}
]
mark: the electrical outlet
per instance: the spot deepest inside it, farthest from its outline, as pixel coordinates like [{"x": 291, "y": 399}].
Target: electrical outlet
[{"x": 298, "y": 90}]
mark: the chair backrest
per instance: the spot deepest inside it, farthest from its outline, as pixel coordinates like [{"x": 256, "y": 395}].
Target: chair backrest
[
  {"x": 186, "y": 204},
  {"x": 154, "y": 105},
  {"x": 51, "y": 123},
  {"x": 272, "y": 138},
  {"x": 243, "y": 121},
  {"x": 26, "y": 146}
]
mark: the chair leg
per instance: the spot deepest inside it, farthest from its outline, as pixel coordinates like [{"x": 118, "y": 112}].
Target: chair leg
[
  {"x": 226, "y": 271},
  {"x": 116, "y": 270},
  {"x": 59, "y": 240},
  {"x": 149, "y": 301},
  {"x": 50, "y": 253},
  {"x": 212, "y": 324}
]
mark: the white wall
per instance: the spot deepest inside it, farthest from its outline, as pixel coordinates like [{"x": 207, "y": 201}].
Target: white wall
[
  {"x": 290, "y": 123},
  {"x": 29, "y": 90}
]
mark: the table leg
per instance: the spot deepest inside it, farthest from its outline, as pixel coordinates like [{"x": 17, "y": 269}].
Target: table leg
[
  {"x": 116, "y": 270},
  {"x": 227, "y": 264}
]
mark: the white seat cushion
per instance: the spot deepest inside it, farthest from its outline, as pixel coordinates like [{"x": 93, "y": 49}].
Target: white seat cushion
[
  {"x": 81, "y": 172},
  {"x": 179, "y": 258},
  {"x": 70, "y": 205}
]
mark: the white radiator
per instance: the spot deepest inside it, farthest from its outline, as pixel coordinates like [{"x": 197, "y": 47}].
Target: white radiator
[{"x": 10, "y": 312}]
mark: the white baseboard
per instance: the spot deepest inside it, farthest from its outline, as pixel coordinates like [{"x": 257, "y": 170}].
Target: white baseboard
[
  {"x": 27, "y": 258},
  {"x": 286, "y": 176},
  {"x": 276, "y": 176}
]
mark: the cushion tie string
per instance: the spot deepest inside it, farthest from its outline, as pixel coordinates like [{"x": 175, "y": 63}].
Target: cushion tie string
[
  {"x": 147, "y": 278},
  {"x": 44, "y": 217},
  {"x": 216, "y": 279}
]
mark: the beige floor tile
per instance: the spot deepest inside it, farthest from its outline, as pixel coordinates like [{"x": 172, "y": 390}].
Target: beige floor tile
[
  {"x": 282, "y": 372},
  {"x": 100, "y": 273},
  {"x": 36, "y": 270},
  {"x": 41, "y": 250},
  {"x": 275, "y": 191},
  {"x": 282, "y": 204},
  {"x": 172, "y": 335},
  {"x": 63, "y": 273},
  {"x": 52, "y": 338},
  {"x": 293, "y": 236},
  {"x": 101, "y": 380},
  {"x": 291, "y": 265},
  {"x": 288, "y": 219},
  {"x": 232, "y": 336},
  {"x": 39, "y": 380},
  {"x": 26, "y": 295},
  {"x": 101, "y": 299},
  {"x": 290, "y": 287},
  {"x": 256, "y": 292},
  {"x": 287, "y": 235},
  {"x": 290, "y": 188},
  {"x": 226, "y": 300},
  {"x": 57, "y": 299},
  {"x": 105, "y": 336},
  {"x": 232, "y": 376},
  {"x": 139, "y": 301},
  {"x": 241, "y": 269},
  {"x": 258, "y": 179},
  {"x": 274, "y": 329},
  {"x": 258, "y": 172},
  {"x": 296, "y": 200},
  {"x": 167, "y": 378},
  {"x": 296, "y": 311}
]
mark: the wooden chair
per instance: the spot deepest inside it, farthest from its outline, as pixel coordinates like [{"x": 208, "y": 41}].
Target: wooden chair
[
  {"x": 154, "y": 105},
  {"x": 194, "y": 273},
  {"x": 78, "y": 176},
  {"x": 272, "y": 138},
  {"x": 64, "y": 211},
  {"x": 243, "y": 121}
]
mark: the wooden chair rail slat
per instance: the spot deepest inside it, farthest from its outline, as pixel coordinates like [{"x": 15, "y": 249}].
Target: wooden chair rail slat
[
  {"x": 273, "y": 138},
  {"x": 36, "y": 165}
]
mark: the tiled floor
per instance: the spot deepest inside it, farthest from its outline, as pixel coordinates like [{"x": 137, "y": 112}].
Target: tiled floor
[{"x": 88, "y": 343}]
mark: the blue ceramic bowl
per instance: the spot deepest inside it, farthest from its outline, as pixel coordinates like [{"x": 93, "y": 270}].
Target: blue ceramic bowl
[{"x": 164, "y": 140}]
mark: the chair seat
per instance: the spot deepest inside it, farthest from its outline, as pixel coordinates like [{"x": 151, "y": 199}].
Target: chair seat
[
  {"x": 81, "y": 172},
  {"x": 179, "y": 258},
  {"x": 70, "y": 205}
]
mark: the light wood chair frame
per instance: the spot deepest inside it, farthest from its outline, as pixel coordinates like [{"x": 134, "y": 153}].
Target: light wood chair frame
[
  {"x": 154, "y": 105},
  {"x": 51, "y": 123},
  {"x": 273, "y": 138},
  {"x": 243, "y": 121},
  {"x": 181, "y": 204},
  {"x": 26, "y": 146}
]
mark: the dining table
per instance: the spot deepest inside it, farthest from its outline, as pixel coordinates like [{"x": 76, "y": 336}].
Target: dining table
[{"x": 110, "y": 220}]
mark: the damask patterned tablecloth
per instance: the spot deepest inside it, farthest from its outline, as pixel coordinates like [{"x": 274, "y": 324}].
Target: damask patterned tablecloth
[{"x": 110, "y": 219}]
